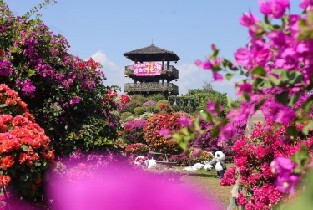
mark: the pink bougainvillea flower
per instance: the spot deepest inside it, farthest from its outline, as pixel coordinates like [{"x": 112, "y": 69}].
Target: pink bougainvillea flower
[
  {"x": 305, "y": 4},
  {"x": 226, "y": 133},
  {"x": 198, "y": 62},
  {"x": 282, "y": 165},
  {"x": 287, "y": 184},
  {"x": 274, "y": 8},
  {"x": 285, "y": 181},
  {"x": 123, "y": 188},
  {"x": 207, "y": 65},
  {"x": 243, "y": 56},
  {"x": 285, "y": 116},
  {"x": 248, "y": 19},
  {"x": 165, "y": 132},
  {"x": 265, "y": 7},
  {"x": 244, "y": 88},
  {"x": 211, "y": 107},
  {"x": 185, "y": 121},
  {"x": 217, "y": 76},
  {"x": 75, "y": 100}
]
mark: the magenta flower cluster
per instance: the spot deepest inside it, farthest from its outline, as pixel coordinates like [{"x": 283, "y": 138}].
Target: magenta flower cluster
[
  {"x": 134, "y": 131},
  {"x": 253, "y": 160},
  {"x": 282, "y": 53},
  {"x": 6, "y": 68},
  {"x": 286, "y": 180}
]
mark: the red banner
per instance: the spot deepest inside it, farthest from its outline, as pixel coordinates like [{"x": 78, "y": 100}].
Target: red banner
[{"x": 147, "y": 69}]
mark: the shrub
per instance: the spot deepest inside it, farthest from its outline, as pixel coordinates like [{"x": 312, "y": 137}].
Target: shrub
[
  {"x": 65, "y": 93},
  {"x": 125, "y": 115},
  {"x": 156, "y": 97},
  {"x": 153, "y": 109},
  {"x": 24, "y": 151},
  {"x": 149, "y": 103},
  {"x": 165, "y": 108},
  {"x": 198, "y": 157},
  {"x": 135, "y": 101},
  {"x": 253, "y": 156},
  {"x": 133, "y": 131},
  {"x": 139, "y": 111},
  {"x": 162, "y": 102},
  {"x": 136, "y": 149},
  {"x": 158, "y": 142}
]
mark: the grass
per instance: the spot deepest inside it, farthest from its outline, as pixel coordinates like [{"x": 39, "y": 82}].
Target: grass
[{"x": 207, "y": 183}]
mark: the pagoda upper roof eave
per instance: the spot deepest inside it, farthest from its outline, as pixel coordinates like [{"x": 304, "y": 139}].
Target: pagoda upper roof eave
[{"x": 151, "y": 53}]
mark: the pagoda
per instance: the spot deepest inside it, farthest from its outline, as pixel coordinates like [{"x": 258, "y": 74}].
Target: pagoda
[{"x": 151, "y": 71}]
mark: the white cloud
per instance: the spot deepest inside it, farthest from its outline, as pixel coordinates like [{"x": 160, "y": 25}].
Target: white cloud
[{"x": 113, "y": 72}]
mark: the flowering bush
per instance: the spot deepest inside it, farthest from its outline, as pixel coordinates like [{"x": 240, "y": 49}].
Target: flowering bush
[
  {"x": 24, "y": 147},
  {"x": 66, "y": 94},
  {"x": 149, "y": 103},
  {"x": 154, "y": 139},
  {"x": 136, "y": 149},
  {"x": 253, "y": 157},
  {"x": 133, "y": 131},
  {"x": 278, "y": 63},
  {"x": 197, "y": 155}
]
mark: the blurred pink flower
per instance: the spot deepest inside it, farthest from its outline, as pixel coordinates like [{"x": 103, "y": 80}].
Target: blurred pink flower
[
  {"x": 217, "y": 76},
  {"x": 123, "y": 188},
  {"x": 185, "y": 121},
  {"x": 165, "y": 132}
]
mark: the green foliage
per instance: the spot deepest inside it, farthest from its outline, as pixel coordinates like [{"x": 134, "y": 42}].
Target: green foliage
[
  {"x": 135, "y": 101},
  {"x": 202, "y": 96},
  {"x": 65, "y": 93},
  {"x": 125, "y": 115},
  {"x": 156, "y": 97},
  {"x": 139, "y": 110},
  {"x": 153, "y": 109}
]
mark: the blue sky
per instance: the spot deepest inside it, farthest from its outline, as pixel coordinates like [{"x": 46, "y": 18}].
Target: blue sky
[{"x": 105, "y": 29}]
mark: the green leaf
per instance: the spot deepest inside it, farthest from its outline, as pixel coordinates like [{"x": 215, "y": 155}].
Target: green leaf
[
  {"x": 24, "y": 148},
  {"x": 215, "y": 131},
  {"x": 282, "y": 97},
  {"x": 185, "y": 131},
  {"x": 177, "y": 137},
  {"x": 215, "y": 53},
  {"x": 293, "y": 99},
  {"x": 284, "y": 77},
  {"x": 308, "y": 127},
  {"x": 292, "y": 131},
  {"x": 308, "y": 106},
  {"x": 206, "y": 116},
  {"x": 3, "y": 105},
  {"x": 229, "y": 76},
  {"x": 258, "y": 71},
  {"x": 295, "y": 77},
  {"x": 183, "y": 145},
  {"x": 37, "y": 164},
  {"x": 196, "y": 124},
  {"x": 31, "y": 72},
  {"x": 274, "y": 80},
  {"x": 301, "y": 157}
]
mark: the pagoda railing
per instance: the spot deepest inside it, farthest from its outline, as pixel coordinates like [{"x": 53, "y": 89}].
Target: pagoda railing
[
  {"x": 152, "y": 87},
  {"x": 170, "y": 71}
]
